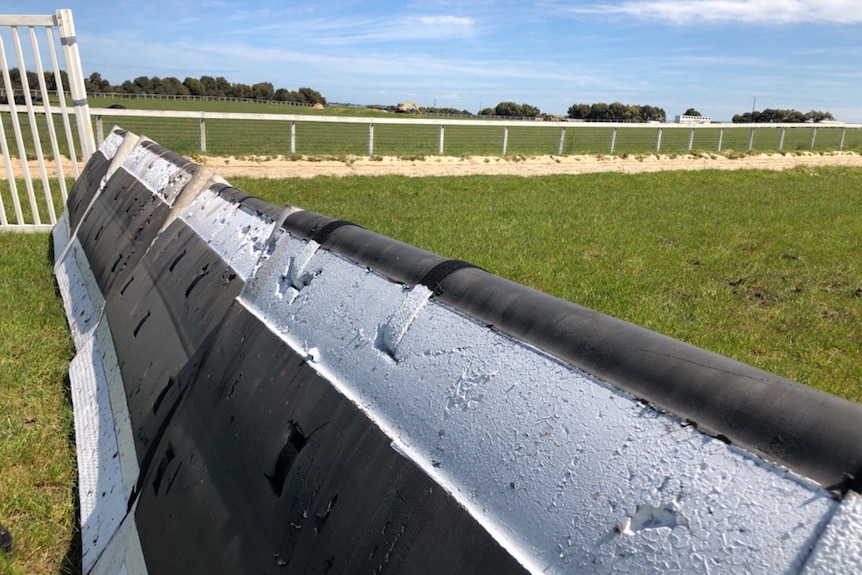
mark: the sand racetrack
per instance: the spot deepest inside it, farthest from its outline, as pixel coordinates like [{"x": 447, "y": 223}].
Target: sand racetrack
[
  {"x": 268, "y": 167},
  {"x": 534, "y": 166}
]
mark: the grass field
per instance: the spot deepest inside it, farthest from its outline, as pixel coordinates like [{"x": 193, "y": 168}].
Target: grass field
[
  {"x": 272, "y": 138},
  {"x": 37, "y": 456},
  {"x": 760, "y": 266}
]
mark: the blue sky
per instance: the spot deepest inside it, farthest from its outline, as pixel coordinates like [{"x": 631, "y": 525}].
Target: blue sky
[{"x": 714, "y": 55}]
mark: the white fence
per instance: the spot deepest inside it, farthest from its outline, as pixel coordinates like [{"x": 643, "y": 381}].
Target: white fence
[
  {"x": 310, "y": 134},
  {"x": 30, "y": 120}
]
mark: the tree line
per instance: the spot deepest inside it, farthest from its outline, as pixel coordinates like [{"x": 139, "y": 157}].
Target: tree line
[
  {"x": 203, "y": 86},
  {"x": 770, "y": 115},
  {"x": 616, "y": 112},
  {"x": 265, "y": 91}
]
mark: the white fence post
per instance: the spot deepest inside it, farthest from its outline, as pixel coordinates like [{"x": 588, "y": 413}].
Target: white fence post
[
  {"x": 813, "y": 137},
  {"x": 720, "y": 138},
  {"x": 440, "y": 141},
  {"x": 658, "y": 141},
  {"x": 34, "y": 131},
  {"x": 751, "y": 139},
  {"x": 203, "y": 126},
  {"x": 562, "y": 141},
  {"x": 841, "y": 139},
  {"x": 781, "y": 139},
  {"x": 370, "y": 138},
  {"x": 505, "y": 139},
  {"x": 100, "y": 128},
  {"x": 613, "y": 140},
  {"x": 69, "y": 42},
  {"x": 293, "y": 137},
  {"x": 22, "y": 151},
  {"x": 690, "y": 139}
]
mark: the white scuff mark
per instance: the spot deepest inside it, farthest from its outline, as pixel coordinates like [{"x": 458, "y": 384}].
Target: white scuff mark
[
  {"x": 298, "y": 274},
  {"x": 390, "y": 334},
  {"x": 649, "y": 517},
  {"x": 467, "y": 392}
]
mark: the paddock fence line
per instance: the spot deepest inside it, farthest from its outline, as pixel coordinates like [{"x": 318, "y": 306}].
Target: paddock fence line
[
  {"x": 68, "y": 125},
  {"x": 221, "y": 133}
]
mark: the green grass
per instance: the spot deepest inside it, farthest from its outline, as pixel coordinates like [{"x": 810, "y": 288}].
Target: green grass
[
  {"x": 40, "y": 202},
  {"x": 37, "y": 465},
  {"x": 760, "y": 266}
]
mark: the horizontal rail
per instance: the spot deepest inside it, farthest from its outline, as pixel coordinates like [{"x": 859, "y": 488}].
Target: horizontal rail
[
  {"x": 431, "y": 122},
  {"x": 26, "y": 20}
]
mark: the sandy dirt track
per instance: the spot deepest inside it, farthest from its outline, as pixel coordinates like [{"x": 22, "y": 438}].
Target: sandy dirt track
[
  {"x": 536, "y": 166},
  {"x": 228, "y": 167}
]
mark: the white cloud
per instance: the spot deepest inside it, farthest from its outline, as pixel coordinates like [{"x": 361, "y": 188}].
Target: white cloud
[
  {"x": 363, "y": 30},
  {"x": 746, "y": 11}
]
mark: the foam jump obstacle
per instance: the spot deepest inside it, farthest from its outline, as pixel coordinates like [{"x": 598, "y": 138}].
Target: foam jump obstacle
[{"x": 268, "y": 390}]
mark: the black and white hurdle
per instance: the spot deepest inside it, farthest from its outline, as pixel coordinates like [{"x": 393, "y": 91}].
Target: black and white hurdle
[{"x": 268, "y": 390}]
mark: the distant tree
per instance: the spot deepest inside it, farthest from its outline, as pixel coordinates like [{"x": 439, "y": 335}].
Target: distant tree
[
  {"x": 486, "y": 112},
  {"x": 241, "y": 91},
  {"x": 599, "y": 111},
  {"x": 173, "y": 87},
  {"x": 578, "y": 111},
  {"x": 692, "y": 112},
  {"x": 263, "y": 91},
  {"x": 817, "y": 116},
  {"x": 221, "y": 86},
  {"x": 507, "y": 109},
  {"x": 195, "y": 86},
  {"x": 770, "y": 115},
  {"x": 513, "y": 109},
  {"x": 94, "y": 84},
  {"x": 310, "y": 96},
  {"x": 653, "y": 114},
  {"x": 616, "y": 111}
]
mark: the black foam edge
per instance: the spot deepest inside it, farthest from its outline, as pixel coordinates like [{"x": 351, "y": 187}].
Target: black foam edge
[
  {"x": 157, "y": 149},
  {"x": 398, "y": 261},
  {"x": 248, "y": 201}
]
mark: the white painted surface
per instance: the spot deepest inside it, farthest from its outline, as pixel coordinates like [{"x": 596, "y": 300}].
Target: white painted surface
[
  {"x": 839, "y": 551},
  {"x": 567, "y": 472},
  {"x": 107, "y": 462},
  {"x": 231, "y": 229},
  {"x": 100, "y": 485}
]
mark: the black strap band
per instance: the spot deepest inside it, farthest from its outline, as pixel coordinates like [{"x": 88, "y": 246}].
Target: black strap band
[
  {"x": 433, "y": 278},
  {"x": 320, "y": 235}
]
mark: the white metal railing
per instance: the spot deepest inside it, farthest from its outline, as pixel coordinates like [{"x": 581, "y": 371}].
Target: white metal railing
[
  {"x": 607, "y": 137},
  {"x": 26, "y": 154}
]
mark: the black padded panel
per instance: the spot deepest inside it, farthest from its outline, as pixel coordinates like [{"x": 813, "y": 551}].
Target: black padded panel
[
  {"x": 266, "y": 468},
  {"x": 161, "y": 316},
  {"x": 86, "y": 186}
]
